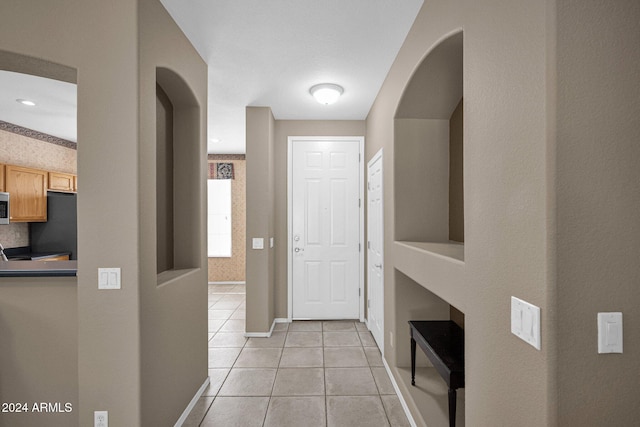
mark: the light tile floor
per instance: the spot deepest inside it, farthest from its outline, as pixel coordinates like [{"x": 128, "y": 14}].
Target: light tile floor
[{"x": 311, "y": 373}]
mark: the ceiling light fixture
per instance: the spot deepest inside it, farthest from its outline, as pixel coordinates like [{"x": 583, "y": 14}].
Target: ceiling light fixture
[
  {"x": 26, "y": 102},
  {"x": 326, "y": 93}
]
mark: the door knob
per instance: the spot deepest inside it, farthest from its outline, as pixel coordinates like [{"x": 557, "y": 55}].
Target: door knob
[
  {"x": 378, "y": 266},
  {"x": 299, "y": 250}
]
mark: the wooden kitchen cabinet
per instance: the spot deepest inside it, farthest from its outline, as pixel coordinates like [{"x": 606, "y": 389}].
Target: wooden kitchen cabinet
[
  {"x": 28, "y": 190},
  {"x": 1, "y": 177},
  {"x": 62, "y": 182}
]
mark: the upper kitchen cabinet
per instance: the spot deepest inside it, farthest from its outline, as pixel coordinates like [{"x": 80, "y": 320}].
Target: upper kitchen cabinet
[
  {"x": 1, "y": 177},
  {"x": 62, "y": 182},
  {"x": 28, "y": 189}
]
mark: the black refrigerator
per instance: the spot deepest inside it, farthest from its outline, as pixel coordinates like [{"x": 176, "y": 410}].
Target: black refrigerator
[{"x": 60, "y": 232}]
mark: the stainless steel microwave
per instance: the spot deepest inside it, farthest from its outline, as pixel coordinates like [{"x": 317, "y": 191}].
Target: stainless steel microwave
[{"x": 4, "y": 208}]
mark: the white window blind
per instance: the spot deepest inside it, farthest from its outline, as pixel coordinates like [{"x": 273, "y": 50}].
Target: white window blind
[{"x": 219, "y": 218}]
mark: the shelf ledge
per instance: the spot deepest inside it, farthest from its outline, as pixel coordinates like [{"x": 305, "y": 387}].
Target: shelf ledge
[{"x": 449, "y": 250}]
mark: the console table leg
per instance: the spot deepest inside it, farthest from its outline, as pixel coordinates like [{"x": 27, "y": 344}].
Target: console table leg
[
  {"x": 452, "y": 407},
  {"x": 413, "y": 361}
]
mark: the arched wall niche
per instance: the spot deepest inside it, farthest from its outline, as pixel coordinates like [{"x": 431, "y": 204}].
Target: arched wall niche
[
  {"x": 428, "y": 149},
  {"x": 429, "y": 210},
  {"x": 177, "y": 180}
]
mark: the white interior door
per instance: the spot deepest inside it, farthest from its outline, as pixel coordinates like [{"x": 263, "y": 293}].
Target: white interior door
[
  {"x": 325, "y": 228},
  {"x": 375, "y": 245}
]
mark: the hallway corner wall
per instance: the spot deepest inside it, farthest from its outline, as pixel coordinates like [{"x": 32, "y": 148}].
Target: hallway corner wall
[{"x": 260, "y": 264}]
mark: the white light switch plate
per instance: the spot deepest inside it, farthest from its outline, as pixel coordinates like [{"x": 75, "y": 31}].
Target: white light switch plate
[
  {"x": 609, "y": 332},
  {"x": 108, "y": 278},
  {"x": 525, "y": 321},
  {"x": 258, "y": 243},
  {"x": 270, "y": 242}
]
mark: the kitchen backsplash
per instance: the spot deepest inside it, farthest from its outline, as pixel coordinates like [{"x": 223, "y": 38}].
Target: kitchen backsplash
[
  {"x": 14, "y": 235},
  {"x": 24, "y": 151},
  {"x": 20, "y": 150}
]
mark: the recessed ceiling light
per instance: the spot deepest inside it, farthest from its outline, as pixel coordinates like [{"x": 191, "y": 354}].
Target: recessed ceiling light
[
  {"x": 26, "y": 102},
  {"x": 326, "y": 93}
]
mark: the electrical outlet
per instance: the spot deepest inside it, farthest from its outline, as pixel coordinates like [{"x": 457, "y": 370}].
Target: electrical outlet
[{"x": 101, "y": 419}]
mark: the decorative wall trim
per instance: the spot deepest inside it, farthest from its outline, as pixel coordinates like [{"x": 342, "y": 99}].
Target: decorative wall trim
[
  {"x": 30, "y": 133},
  {"x": 213, "y": 157},
  {"x": 220, "y": 171}
]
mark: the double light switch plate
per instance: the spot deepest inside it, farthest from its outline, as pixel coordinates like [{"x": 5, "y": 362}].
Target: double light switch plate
[{"x": 525, "y": 321}]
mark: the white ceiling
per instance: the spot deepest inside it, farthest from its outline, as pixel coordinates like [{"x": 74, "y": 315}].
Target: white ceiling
[
  {"x": 55, "y": 109},
  {"x": 260, "y": 53},
  {"x": 269, "y": 53}
]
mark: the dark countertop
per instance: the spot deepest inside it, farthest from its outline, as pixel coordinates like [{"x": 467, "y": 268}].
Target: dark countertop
[
  {"x": 38, "y": 268},
  {"x": 23, "y": 253}
]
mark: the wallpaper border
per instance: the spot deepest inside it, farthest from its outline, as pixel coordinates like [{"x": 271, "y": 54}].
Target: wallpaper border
[{"x": 30, "y": 133}]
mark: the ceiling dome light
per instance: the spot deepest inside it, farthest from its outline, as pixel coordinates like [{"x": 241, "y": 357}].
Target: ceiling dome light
[
  {"x": 326, "y": 93},
  {"x": 26, "y": 102}
]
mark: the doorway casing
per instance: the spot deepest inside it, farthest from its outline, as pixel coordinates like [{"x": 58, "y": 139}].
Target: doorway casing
[{"x": 290, "y": 141}]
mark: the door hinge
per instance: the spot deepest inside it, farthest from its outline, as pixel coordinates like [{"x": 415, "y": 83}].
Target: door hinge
[
  {"x": 368, "y": 303},
  {"x": 359, "y": 291},
  {"x": 368, "y": 244},
  {"x": 359, "y": 247},
  {"x": 359, "y": 203},
  {"x": 359, "y": 157}
]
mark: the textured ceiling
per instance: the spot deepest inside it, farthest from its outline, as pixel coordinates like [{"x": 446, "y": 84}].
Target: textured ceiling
[
  {"x": 260, "y": 53},
  {"x": 269, "y": 53},
  {"x": 55, "y": 109}
]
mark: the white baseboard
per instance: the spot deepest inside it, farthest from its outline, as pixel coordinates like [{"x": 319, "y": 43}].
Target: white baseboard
[
  {"x": 400, "y": 396},
  {"x": 191, "y": 404},
  {"x": 266, "y": 334}
]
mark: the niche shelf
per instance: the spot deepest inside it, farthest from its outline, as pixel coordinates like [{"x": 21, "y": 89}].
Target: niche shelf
[
  {"x": 428, "y": 155},
  {"x": 428, "y": 252},
  {"x": 437, "y": 267},
  {"x": 430, "y": 394}
]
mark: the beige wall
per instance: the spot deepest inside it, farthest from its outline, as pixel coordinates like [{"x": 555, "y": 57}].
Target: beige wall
[
  {"x": 173, "y": 304},
  {"x": 597, "y": 197},
  {"x": 505, "y": 185},
  {"x": 456, "y": 175},
  {"x": 260, "y": 268},
  {"x": 233, "y": 269},
  {"x": 267, "y": 142},
  {"x": 283, "y": 130},
  {"x": 38, "y": 355},
  {"x": 24, "y": 151},
  {"x": 546, "y": 176},
  {"x": 122, "y": 354}
]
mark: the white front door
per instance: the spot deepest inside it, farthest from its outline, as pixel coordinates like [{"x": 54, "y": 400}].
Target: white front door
[
  {"x": 325, "y": 228},
  {"x": 375, "y": 236}
]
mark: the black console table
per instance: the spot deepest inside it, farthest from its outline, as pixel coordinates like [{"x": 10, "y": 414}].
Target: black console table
[{"x": 443, "y": 343}]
